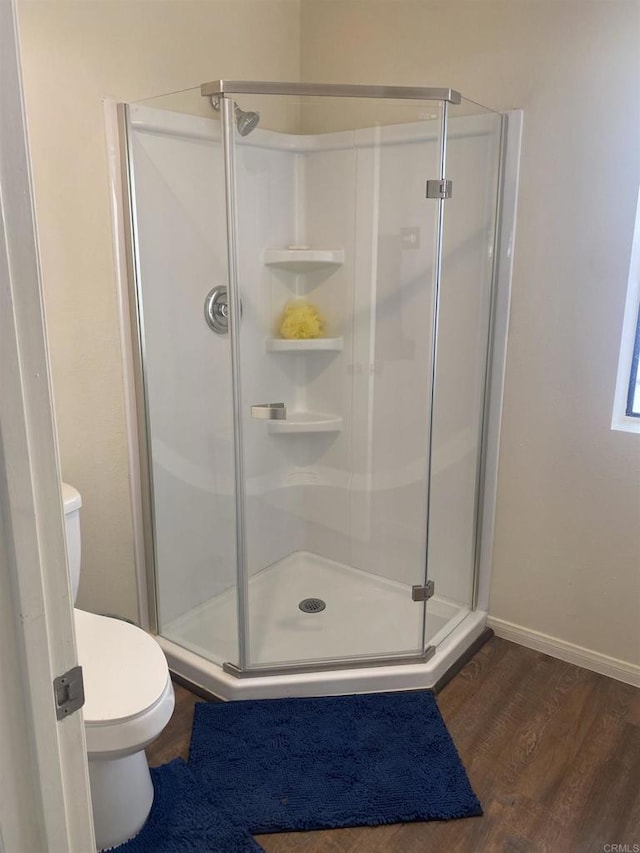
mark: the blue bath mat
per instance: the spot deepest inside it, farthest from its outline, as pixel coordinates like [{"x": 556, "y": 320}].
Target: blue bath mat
[
  {"x": 183, "y": 821},
  {"x": 299, "y": 764}
]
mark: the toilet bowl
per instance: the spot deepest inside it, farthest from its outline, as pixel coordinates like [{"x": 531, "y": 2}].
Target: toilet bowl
[{"x": 129, "y": 700}]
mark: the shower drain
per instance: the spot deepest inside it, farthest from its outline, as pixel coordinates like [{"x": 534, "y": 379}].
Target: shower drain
[{"x": 312, "y": 605}]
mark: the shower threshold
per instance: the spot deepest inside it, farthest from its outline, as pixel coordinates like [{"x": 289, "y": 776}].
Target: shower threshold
[{"x": 364, "y": 615}]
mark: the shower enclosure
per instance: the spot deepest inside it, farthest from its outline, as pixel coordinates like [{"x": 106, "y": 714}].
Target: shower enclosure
[{"x": 314, "y": 506}]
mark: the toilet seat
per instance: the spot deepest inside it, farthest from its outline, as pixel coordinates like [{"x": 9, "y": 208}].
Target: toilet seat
[{"x": 128, "y": 692}]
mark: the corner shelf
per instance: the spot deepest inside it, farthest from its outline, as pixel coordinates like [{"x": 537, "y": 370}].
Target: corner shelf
[
  {"x": 308, "y": 344},
  {"x": 303, "y": 260},
  {"x": 306, "y": 422}
]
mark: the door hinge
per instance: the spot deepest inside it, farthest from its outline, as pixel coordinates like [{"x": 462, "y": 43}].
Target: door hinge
[
  {"x": 423, "y": 592},
  {"x": 68, "y": 691},
  {"x": 439, "y": 189}
]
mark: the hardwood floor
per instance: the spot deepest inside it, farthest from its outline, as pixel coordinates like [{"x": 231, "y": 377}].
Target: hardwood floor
[{"x": 552, "y": 751}]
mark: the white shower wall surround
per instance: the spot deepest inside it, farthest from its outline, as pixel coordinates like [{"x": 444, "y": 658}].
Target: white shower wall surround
[{"x": 355, "y": 496}]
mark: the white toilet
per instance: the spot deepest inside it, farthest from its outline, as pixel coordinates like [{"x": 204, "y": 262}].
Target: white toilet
[{"x": 128, "y": 701}]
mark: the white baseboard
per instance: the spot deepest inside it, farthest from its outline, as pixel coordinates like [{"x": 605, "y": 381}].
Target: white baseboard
[{"x": 587, "y": 658}]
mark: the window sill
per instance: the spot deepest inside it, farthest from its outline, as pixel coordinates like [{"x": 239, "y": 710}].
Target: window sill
[{"x": 626, "y": 424}]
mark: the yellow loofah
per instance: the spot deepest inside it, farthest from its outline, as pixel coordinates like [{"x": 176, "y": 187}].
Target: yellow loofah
[{"x": 301, "y": 320}]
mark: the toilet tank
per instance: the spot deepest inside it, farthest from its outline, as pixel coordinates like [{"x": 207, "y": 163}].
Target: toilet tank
[{"x": 72, "y": 501}]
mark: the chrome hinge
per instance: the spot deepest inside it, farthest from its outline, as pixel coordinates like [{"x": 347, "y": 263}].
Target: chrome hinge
[
  {"x": 68, "y": 690},
  {"x": 439, "y": 189},
  {"x": 423, "y": 592}
]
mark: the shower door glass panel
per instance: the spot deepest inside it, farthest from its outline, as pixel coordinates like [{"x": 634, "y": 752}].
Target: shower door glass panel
[
  {"x": 177, "y": 180},
  {"x": 335, "y": 247},
  {"x": 466, "y": 283}
]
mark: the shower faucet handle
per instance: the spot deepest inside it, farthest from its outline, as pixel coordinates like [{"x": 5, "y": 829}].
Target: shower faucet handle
[{"x": 269, "y": 411}]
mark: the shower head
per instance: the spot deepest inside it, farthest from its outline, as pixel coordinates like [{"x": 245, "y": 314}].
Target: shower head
[{"x": 245, "y": 121}]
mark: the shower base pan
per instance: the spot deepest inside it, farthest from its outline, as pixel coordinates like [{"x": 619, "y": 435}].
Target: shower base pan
[{"x": 363, "y": 615}]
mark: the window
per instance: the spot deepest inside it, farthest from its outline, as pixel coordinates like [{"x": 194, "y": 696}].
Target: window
[{"x": 626, "y": 408}]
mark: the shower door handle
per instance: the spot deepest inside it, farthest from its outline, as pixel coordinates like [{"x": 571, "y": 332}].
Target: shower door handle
[{"x": 269, "y": 411}]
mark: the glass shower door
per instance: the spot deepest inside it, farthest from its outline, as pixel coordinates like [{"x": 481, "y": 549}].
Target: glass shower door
[
  {"x": 458, "y": 457},
  {"x": 332, "y": 272}
]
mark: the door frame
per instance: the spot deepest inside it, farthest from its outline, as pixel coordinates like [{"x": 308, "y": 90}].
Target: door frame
[{"x": 43, "y": 763}]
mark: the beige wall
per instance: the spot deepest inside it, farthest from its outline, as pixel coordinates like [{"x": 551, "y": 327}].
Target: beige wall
[
  {"x": 567, "y": 550},
  {"x": 74, "y": 54}
]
